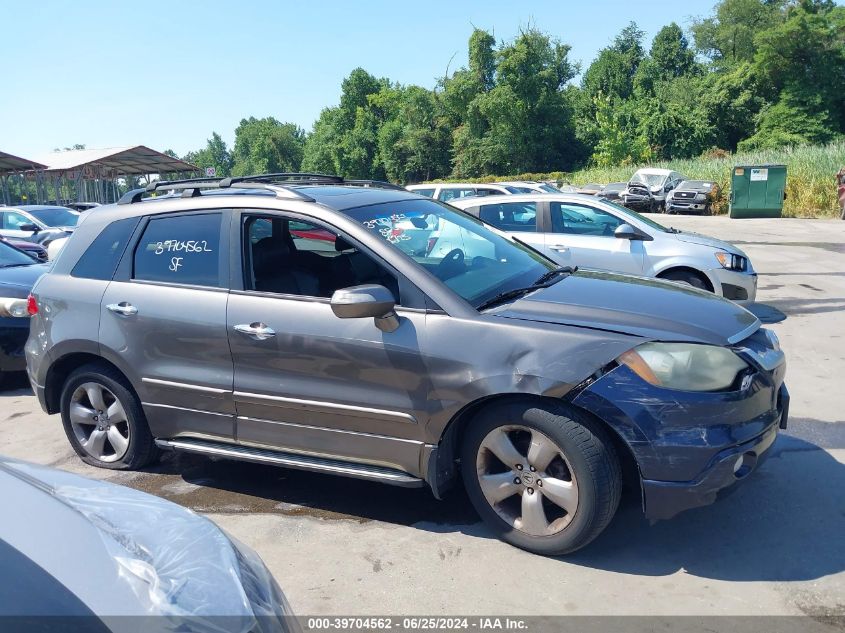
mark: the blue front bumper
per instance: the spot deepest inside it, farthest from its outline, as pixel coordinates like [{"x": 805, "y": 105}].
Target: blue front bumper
[{"x": 689, "y": 445}]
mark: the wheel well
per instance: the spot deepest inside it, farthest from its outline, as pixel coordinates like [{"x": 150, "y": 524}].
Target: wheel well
[
  {"x": 61, "y": 369},
  {"x": 686, "y": 269},
  {"x": 450, "y": 442}
]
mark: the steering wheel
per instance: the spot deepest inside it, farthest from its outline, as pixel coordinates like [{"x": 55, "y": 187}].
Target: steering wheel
[{"x": 450, "y": 264}]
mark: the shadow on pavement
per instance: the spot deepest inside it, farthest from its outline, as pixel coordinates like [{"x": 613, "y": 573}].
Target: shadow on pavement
[
  {"x": 786, "y": 523},
  {"x": 766, "y": 313}
]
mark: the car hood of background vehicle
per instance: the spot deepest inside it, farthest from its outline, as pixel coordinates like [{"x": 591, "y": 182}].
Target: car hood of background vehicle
[
  {"x": 74, "y": 546},
  {"x": 651, "y": 308},
  {"x": 704, "y": 240},
  {"x": 20, "y": 279}
]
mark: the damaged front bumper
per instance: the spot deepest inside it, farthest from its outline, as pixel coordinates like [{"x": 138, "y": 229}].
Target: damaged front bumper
[{"x": 690, "y": 445}]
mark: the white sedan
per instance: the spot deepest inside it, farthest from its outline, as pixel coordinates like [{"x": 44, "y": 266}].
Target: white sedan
[{"x": 579, "y": 230}]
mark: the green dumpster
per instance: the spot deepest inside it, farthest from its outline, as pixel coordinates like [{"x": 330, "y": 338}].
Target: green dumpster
[{"x": 758, "y": 191}]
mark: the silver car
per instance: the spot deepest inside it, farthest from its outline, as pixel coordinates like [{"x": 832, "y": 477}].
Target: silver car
[
  {"x": 360, "y": 330},
  {"x": 596, "y": 233},
  {"x": 37, "y": 222},
  {"x": 87, "y": 554}
]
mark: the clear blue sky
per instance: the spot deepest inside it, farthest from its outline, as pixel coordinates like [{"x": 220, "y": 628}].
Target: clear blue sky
[{"x": 167, "y": 74}]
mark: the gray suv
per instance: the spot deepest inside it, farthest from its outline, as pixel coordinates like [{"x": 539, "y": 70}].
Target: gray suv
[{"x": 314, "y": 323}]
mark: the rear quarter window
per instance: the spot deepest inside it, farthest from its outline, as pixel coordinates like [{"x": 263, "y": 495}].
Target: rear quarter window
[
  {"x": 100, "y": 259},
  {"x": 181, "y": 249}
]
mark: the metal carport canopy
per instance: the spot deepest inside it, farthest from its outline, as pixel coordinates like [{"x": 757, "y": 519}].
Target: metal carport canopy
[
  {"x": 123, "y": 160},
  {"x": 10, "y": 164}
]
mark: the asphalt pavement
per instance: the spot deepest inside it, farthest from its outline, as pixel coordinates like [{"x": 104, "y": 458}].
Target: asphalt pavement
[{"x": 774, "y": 546}]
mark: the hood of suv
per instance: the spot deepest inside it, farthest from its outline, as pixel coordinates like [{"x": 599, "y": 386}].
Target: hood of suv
[{"x": 655, "y": 309}]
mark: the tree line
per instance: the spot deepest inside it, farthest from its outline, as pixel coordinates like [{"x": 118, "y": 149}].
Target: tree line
[{"x": 755, "y": 74}]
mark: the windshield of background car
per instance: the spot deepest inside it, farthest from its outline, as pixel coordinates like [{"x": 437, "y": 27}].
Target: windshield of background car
[
  {"x": 10, "y": 256},
  {"x": 58, "y": 216},
  {"x": 701, "y": 185},
  {"x": 652, "y": 180},
  {"x": 549, "y": 188},
  {"x": 473, "y": 260},
  {"x": 641, "y": 218}
]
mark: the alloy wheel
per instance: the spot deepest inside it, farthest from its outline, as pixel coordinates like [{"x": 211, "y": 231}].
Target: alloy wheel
[
  {"x": 99, "y": 422},
  {"x": 527, "y": 480}
]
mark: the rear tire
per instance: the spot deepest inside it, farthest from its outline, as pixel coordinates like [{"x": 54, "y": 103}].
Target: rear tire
[
  {"x": 104, "y": 421},
  {"x": 564, "y": 488}
]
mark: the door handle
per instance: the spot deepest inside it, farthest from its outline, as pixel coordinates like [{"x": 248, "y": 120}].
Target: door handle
[
  {"x": 258, "y": 331},
  {"x": 560, "y": 248},
  {"x": 123, "y": 308}
]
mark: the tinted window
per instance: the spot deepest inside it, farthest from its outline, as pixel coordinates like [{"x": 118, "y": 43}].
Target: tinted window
[
  {"x": 510, "y": 216},
  {"x": 56, "y": 216},
  {"x": 578, "y": 219},
  {"x": 101, "y": 258},
  {"x": 455, "y": 192},
  {"x": 299, "y": 258},
  {"x": 183, "y": 249},
  {"x": 428, "y": 193},
  {"x": 484, "y": 191},
  {"x": 10, "y": 257}
]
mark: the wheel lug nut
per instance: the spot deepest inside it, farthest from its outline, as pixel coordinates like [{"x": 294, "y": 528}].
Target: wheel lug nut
[
  {"x": 533, "y": 469},
  {"x": 539, "y": 483},
  {"x": 531, "y": 491},
  {"x": 517, "y": 480},
  {"x": 519, "y": 466}
]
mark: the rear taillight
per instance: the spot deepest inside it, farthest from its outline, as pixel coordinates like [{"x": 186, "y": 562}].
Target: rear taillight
[{"x": 31, "y": 305}]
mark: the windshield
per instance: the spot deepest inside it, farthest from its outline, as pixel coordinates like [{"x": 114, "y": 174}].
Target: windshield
[
  {"x": 10, "y": 256},
  {"x": 56, "y": 216},
  {"x": 652, "y": 180},
  {"x": 473, "y": 260},
  {"x": 626, "y": 211}
]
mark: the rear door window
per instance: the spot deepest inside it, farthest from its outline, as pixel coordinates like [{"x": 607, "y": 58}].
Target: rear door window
[
  {"x": 513, "y": 217},
  {"x": 182, "y": 249},
  {"x": 455, "y": 192}
]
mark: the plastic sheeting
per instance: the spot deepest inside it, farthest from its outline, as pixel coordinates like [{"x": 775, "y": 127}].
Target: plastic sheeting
[{"x": 180, "y": 566}]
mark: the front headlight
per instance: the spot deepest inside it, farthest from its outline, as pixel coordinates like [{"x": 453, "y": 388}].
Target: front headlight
[
  {"x": 685, "y": 366},
  {"x": 13, "y": 308},
  {"x": 732, "y": 261}
]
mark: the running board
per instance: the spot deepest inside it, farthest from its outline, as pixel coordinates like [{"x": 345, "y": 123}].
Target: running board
[{"x": 291, "y": 460}]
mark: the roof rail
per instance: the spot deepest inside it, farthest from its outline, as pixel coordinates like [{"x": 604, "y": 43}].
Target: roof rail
[{"x": 279, "y": 182}]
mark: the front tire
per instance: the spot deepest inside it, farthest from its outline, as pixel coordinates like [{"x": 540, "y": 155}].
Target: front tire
[
  {"x": 103, "y": 420},
  {"x": 687, "y": 278},
  {"x": 546, "y": 480}
]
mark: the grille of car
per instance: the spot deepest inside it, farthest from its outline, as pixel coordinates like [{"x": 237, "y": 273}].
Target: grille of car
[{"x": 685, "y": 195}]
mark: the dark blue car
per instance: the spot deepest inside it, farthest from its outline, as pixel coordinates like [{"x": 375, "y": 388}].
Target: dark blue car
[{"x": 18, "y": 273}]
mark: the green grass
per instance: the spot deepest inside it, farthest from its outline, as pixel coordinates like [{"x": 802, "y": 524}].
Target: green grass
[{"x": 810, "y": 184}]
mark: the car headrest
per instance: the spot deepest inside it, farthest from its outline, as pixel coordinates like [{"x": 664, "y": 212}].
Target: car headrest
[{"x": 268, "y": 253}]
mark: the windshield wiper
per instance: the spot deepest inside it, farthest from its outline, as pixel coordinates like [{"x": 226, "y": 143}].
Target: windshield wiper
[
  {"x": 560, "y": 270},
  {"x": 544, "y": 281}
]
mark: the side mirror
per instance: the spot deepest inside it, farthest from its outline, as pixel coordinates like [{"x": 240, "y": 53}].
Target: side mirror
[
  {"x": 367, "y": 301},
  {"x": 628, "y": 232},
  {"x": 29, "y": 227}
]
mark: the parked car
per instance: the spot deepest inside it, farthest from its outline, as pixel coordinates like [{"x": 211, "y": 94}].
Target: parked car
[
  {"x": 613, "y": 191},
  {"x": 590, "y": 189},
  {"x": 528, "y": 186},
  {"x": 18, "y": 273},
  {"x": 163, "y": 325},
  {"x": 648, "y": 187},
  {"x": 37, "y": 223},
  {"x": 447, "y": 191},
  {"x": 83, "y": 206},
  {"x": 692, "y": 196},
  {"x": 32, "y": 249},
  {"x": 576, "y": 230},
  {"x": 91, "y": 552}
]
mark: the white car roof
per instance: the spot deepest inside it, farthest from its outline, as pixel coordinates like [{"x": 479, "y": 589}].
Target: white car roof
[
  {"x": 475, "y": 201},
  {"x": 454, "y": 185},
  {"x": 654, "y": 170}
]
